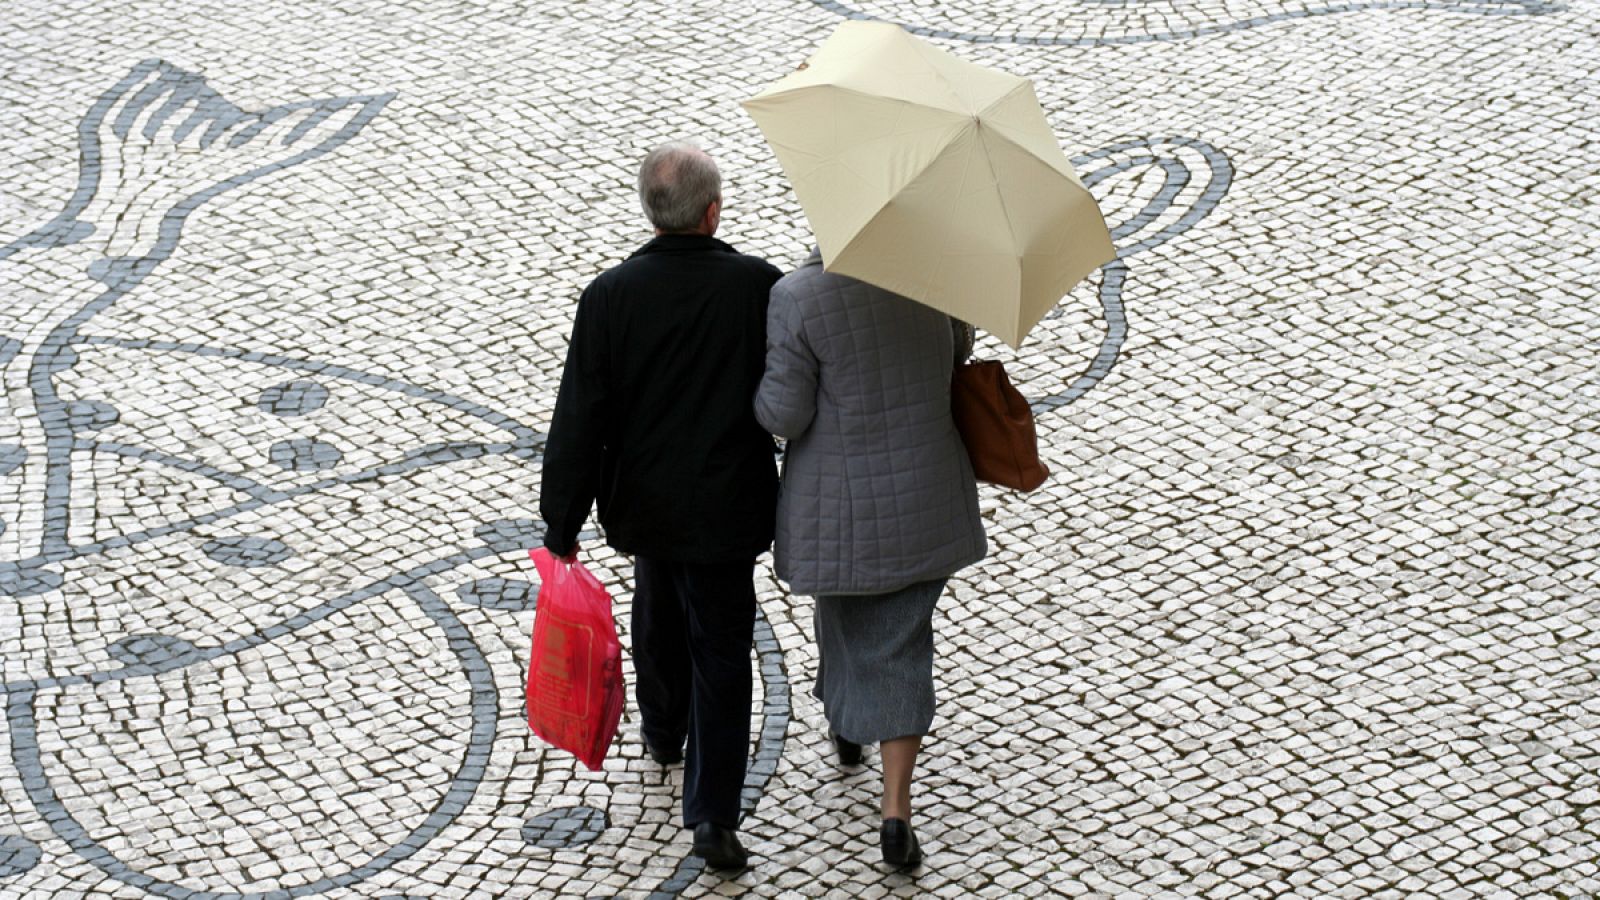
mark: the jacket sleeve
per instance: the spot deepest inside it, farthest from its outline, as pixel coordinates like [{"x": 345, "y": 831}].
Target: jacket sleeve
[
  {"x": 572, "y": 459},
  {"x": 965, "y": 336},
  {"x": 786, "y": 401}
]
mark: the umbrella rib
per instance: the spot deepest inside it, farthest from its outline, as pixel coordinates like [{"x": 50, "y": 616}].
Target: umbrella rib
[
  {"x": 1059, "y": 156},
  {"x": 902, "y": 103},
  {"x": 1002, "y": 132},
  {"x": 1000, "y": 198},
  {"x": 994, "y": 176},
  {"x": 843, "y": 89},
  {"x": 1004, "y": 97}
]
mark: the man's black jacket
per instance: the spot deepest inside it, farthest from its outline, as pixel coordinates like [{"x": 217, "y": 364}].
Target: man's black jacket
[{"x": 654, "y": 417}]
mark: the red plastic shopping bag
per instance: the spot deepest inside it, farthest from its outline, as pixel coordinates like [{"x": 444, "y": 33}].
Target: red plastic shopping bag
[{"x": 575, "y": 674}]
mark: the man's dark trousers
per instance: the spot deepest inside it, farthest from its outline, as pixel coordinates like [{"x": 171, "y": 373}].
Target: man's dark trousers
[{"x": 693, "y": 624}]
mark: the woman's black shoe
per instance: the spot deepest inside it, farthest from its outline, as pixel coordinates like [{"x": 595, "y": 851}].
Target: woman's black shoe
[
  {"x": 849, "y": 751},
  {"x": 899, "y": 844}
]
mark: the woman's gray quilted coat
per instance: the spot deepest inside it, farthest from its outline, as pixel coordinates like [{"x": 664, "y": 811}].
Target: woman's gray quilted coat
[{"x": 877, "y": 492}]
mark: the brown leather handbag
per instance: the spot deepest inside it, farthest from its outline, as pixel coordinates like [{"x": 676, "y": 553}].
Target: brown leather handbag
[{"x": 997, "y": 427}]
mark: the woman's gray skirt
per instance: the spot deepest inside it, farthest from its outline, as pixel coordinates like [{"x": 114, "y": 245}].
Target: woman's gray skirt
[{"x": 875, "y": 672}]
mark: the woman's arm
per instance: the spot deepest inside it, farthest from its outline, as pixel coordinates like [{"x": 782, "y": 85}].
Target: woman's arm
[
  {"x": 965, "y": 336},
  {"x": 786, "y": 400}
]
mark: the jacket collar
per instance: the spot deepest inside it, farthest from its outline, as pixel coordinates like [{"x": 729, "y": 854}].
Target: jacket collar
[
  {"x": 814, "y": 259},
  {"x": 681, "y": 243}
]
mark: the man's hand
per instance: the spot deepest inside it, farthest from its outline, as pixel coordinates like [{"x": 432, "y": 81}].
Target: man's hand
[{"x": 555, "y": 548}]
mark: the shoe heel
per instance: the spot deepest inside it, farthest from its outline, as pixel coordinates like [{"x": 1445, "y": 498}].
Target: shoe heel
[
  {"x": 898, "y": 844},
  {"x": 849, "y": 751}
]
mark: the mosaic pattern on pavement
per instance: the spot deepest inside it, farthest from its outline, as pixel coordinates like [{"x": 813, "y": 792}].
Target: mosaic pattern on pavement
[
  {"x": 1143, "y": 21},
  {"x": 1307, "y": 609}
]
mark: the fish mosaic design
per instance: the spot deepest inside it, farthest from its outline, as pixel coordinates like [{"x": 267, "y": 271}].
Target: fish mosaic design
[
  {"x": 154, "y": 149},
  {"x": 131, "y": 524}
]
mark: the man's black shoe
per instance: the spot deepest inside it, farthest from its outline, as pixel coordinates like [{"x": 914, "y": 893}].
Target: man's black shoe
[
  {"x": 666, "y": 756},
  {"x": 719, "y": 847},
  {"x": 899, "y": 844}
]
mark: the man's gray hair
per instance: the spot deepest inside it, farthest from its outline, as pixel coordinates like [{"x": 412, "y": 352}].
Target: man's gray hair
[{"x": 677, "y": 181}]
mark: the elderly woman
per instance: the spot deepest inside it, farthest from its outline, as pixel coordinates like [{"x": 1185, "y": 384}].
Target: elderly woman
[{"x": 878, "y": 507}]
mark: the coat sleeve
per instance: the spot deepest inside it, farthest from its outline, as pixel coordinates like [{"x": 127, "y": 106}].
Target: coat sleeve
[
  {"x": 786, "y": 401},
  {"x": 965, "y": 336},
  {"x": 573, "y": 452}
]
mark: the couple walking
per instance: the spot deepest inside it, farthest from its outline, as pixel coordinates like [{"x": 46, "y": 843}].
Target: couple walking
[{"x": 684, "y": 360}]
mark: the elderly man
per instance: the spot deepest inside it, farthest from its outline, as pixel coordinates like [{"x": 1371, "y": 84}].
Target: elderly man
[{"x": 654, "y": 421}]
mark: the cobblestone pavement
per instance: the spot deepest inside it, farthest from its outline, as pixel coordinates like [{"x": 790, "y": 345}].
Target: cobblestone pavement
[{"x": 1308, "y": 609}]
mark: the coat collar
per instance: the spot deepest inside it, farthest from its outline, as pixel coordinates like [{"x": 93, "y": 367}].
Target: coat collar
[
  {"x": 814, "y": 259},
  {"x": 681, "y": 243}
]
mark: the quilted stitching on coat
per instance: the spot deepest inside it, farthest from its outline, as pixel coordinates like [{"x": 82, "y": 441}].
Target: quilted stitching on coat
[{"x": 877, "y": 492}]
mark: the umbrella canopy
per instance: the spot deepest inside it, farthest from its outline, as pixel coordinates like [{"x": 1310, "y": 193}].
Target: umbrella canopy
[{"x": 933, "y": 177}]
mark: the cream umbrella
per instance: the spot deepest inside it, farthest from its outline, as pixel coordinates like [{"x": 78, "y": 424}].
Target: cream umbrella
[{"x": 933, "y": 177}]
